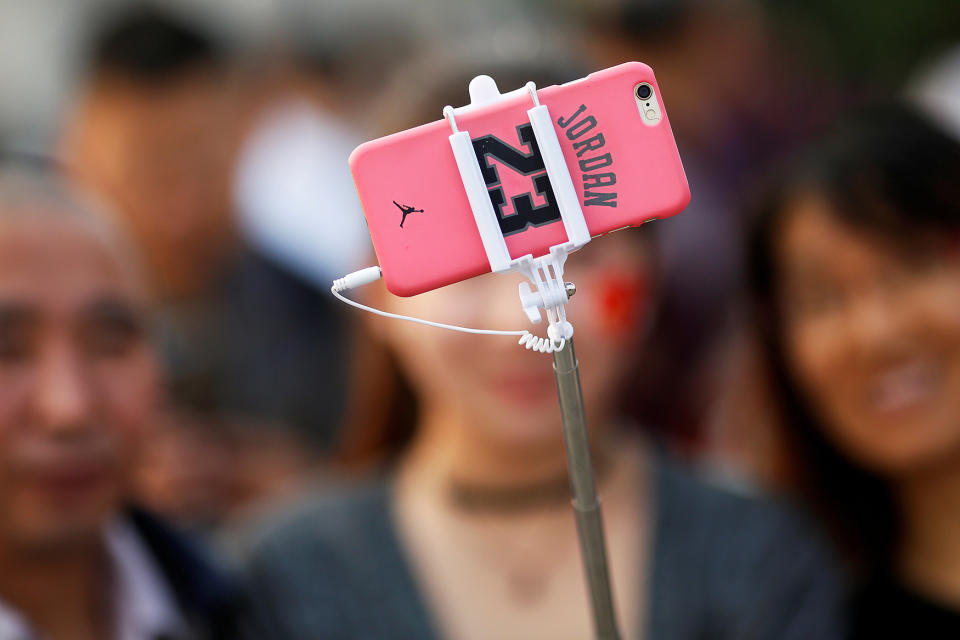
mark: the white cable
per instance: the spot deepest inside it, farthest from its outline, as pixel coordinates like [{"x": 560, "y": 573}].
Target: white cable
[
  {"x": 365, "y": 276},
  {"x": 543, "y": 345},
  {"x": 372, "y": 274}
]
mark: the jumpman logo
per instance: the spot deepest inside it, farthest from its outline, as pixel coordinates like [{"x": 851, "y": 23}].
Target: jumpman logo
[{"x": 405, "y": 210}]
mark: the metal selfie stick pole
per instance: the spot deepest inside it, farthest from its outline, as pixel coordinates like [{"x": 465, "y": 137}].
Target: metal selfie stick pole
[
  {"x": 586, "y": 504},
  {"x": 550, "y": 293}
]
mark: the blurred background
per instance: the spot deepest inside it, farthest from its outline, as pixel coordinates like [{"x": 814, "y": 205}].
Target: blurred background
[{"x": 223, "y": 147}]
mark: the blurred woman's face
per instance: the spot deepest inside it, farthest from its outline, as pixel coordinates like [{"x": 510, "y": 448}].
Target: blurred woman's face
[
  {"x": 507, "y": 393},
  {"x": 872, "y": 337}
]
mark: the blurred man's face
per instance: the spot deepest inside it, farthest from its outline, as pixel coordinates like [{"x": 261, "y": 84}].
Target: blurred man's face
[
  {"x": 163, "y": 155},
  {"x": 77, "y": 380}
]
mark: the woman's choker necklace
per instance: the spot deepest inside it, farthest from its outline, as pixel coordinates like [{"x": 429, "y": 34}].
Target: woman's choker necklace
[{"x": 549, "y": 492}]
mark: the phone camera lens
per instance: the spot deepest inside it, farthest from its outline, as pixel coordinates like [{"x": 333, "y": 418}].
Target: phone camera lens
[{"x": 644, "y": 91}]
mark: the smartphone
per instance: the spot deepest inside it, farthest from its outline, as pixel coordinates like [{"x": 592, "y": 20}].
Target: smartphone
[{"x": 616, "y": 140}]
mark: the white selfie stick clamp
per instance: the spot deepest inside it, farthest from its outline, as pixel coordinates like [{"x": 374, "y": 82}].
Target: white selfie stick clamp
[{"x": 549, "y": 291}]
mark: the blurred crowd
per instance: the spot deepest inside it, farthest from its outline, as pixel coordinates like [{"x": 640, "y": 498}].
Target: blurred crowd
[{"x": 198, "y": 441}]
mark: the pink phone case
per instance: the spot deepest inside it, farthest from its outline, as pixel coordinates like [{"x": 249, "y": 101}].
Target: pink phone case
[{"x": 423, "y": 230}]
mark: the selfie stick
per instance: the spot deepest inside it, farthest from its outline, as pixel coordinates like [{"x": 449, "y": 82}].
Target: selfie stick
[{"x": 551, "y": 294}]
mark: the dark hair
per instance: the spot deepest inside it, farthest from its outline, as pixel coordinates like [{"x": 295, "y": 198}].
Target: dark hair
[
  {"x": 639, "y": 20},
  {"x": 145, "y": 43},
  {"x": 892, "y": 173},
  {"x": 417, "y": 92}
]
